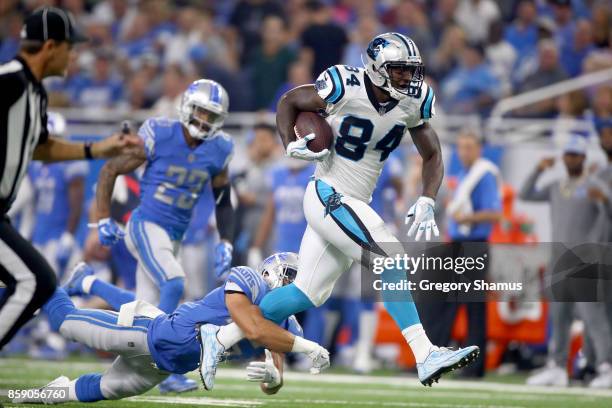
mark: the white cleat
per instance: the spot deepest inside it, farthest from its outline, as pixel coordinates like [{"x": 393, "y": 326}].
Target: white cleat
[
  {"x": 441, "y": 360},
  {"x": 603, "y": 378},
  {"x": 551, "y": 376},
  {"x": 53, "y": 393},
  {"x": 211, "y": 353}
]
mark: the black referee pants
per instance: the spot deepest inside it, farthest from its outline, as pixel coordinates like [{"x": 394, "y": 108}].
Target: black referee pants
[{"x": 29, "y": 281}]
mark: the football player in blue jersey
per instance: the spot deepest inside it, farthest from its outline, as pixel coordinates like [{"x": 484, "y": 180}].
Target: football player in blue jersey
[
  {"x": 151, "y": 344},
  {"x": 181, "y": 156}
]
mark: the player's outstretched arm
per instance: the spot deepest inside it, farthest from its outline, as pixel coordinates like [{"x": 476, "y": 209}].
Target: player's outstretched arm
[
  {"x": 123, "y": 164},
  {"x": 55, "y": 149},
  {"x": 255, "y": 326},
  {"x": 301, "y": 99}
]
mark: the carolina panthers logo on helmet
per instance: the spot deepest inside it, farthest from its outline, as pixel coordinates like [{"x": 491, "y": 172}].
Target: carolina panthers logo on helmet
[{"x": 376, "y": 45}]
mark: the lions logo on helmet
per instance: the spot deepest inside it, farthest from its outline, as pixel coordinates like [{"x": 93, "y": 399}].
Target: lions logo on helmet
[
  {"x": 203, "y": 108},
  {"x": 394, "y": 50},
  {"x": 279, "y": 269}
]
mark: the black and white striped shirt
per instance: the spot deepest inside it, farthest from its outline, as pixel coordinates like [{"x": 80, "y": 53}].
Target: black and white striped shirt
[{"x": 23, "y": 125}]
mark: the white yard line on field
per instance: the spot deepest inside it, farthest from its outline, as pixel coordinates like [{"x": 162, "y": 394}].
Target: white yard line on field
[
  {"x": 301, "y": 402},
  {"x": 412, "y": 382}
]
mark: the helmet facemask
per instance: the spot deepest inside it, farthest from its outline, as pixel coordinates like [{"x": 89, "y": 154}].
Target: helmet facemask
[
  {"x": 411, "y": 75},
  {"x": 203, "y": 123},
  {"x": 279, "y": 269}
]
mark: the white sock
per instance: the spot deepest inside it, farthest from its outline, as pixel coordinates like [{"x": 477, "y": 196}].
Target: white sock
[
  {"x": 229, "y": 335},
  {"x": 87, "y": 282},
  {"x": 72, "y": 390},
  {"x": 418, "y": 341}
]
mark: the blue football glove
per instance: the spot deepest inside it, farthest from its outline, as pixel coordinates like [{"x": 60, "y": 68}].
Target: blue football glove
[
  {"x": 109, "y": 232},
  {"x": 223, "y": 258}
]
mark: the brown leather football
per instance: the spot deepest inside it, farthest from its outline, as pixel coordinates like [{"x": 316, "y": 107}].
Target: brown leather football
[{"x": 310, "y": 122}]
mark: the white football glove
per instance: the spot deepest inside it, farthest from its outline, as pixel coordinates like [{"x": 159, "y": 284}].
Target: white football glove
[
  {"x": 298, "y": 149},
  {"x": 264, "y": 372},
  {"x": 320, "y": 360},
  {"x": 422, "y": 216}
]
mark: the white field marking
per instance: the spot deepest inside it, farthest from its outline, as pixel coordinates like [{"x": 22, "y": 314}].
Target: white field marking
[
  {"x": 300, "y": 402},
  {"x": 399, "y": 393},
  {"x": 412, "y": 382},
  {"x": 217, "y": 402}
]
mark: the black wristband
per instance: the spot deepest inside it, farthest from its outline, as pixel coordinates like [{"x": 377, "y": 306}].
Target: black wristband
[{"x": 87, "y": 148}]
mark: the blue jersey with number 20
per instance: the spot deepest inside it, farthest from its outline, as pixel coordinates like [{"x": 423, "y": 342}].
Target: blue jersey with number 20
[{"x": 176, "y": 174}]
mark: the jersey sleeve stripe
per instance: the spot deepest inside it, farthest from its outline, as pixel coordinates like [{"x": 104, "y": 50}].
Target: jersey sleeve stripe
[
  {"x": 338, "y": 88},
  {"x": 426, "y": 105}
]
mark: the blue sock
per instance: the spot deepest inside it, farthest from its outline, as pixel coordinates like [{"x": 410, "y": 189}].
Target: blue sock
[
  {"x": 404, "y": 313},
  {"x": 113, "y": 295},
  {"x": 399, "y": 304},
  {"x": 87, "y": 388},
  {"x": 281, "y": 303},
  {"x": 314, "y": 324},
  {"x": 170, "y": 293},
  {"x": 58, "y": 307}
]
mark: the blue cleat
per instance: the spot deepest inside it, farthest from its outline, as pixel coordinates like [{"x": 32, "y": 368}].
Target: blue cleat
[
  {"x": 177, "y": 383},
  {"x": 211, "y": 354},
  {"x": 74, "y": 285},
  {"x": 442, "y": 360}
]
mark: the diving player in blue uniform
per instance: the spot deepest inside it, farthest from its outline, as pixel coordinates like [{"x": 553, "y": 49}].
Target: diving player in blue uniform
[
  {"x": 181, "y": 156},
  {"x": 152, "y": 344}
]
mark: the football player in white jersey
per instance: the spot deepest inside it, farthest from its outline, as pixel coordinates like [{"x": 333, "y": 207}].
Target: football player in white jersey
[{"x": 369, "y": 110}]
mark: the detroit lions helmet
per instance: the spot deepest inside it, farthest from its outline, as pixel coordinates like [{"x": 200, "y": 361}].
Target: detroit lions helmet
[
  {"x": 279, "y": 269},
  {"x": 393, "y": 50},
  {"x": 203, "y": 98}
]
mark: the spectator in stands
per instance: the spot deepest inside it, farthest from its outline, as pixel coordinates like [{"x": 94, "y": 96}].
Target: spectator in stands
[
  {"x": 137, "y": 39},
  {"x": 602, "y": 103},
  {"x": 137, "y": 96},
  {"x": 447, "y": 56},
  {"x": 563, "y": 15},
  {"x": 9, "y": 33},
  {"x": 367, "y": 28},
  {"x": 245, "y": 25},
  {"x": 174, "y": 83},
  {"x": 119, "y": 14},
  {"x": 197, "y": 38},
  {"x": 573, "y": 53},
  {"x": 574, "y": 216},
  {"x": 411, "y": 20},
  {"x": 602, "y": 24},
  {"x": 323, "y": 40},
  {"x": 442, "y": 17},
  {"x": 549, "y": 71},
  {"x": 482, "y": 11},
  {"x": 103, "y": 88},
  {"x": 501, "y": 55},
  {"x": 571, "y": 107},
  {"x": 299, "y": 74},
  {"x": 472, "y": 87},
  {"x": 271, "y": 61},
  {"x": 250, "y": 182},
  {"x": 474, "y": 208},
  {"x": 523, "y": 32}
]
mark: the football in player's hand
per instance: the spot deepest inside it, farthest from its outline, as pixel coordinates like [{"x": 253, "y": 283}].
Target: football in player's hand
[{"x": 310, "y": 122}]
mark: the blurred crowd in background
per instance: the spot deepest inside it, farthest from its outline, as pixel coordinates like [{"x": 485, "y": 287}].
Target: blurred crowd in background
[{"x": 144, "y": 52}]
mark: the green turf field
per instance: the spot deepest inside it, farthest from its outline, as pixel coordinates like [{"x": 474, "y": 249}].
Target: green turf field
[{"x": 327, "y": 390}]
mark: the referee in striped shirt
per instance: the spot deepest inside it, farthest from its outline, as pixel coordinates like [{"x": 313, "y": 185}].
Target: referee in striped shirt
[{"x": 46, "y": 43}]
